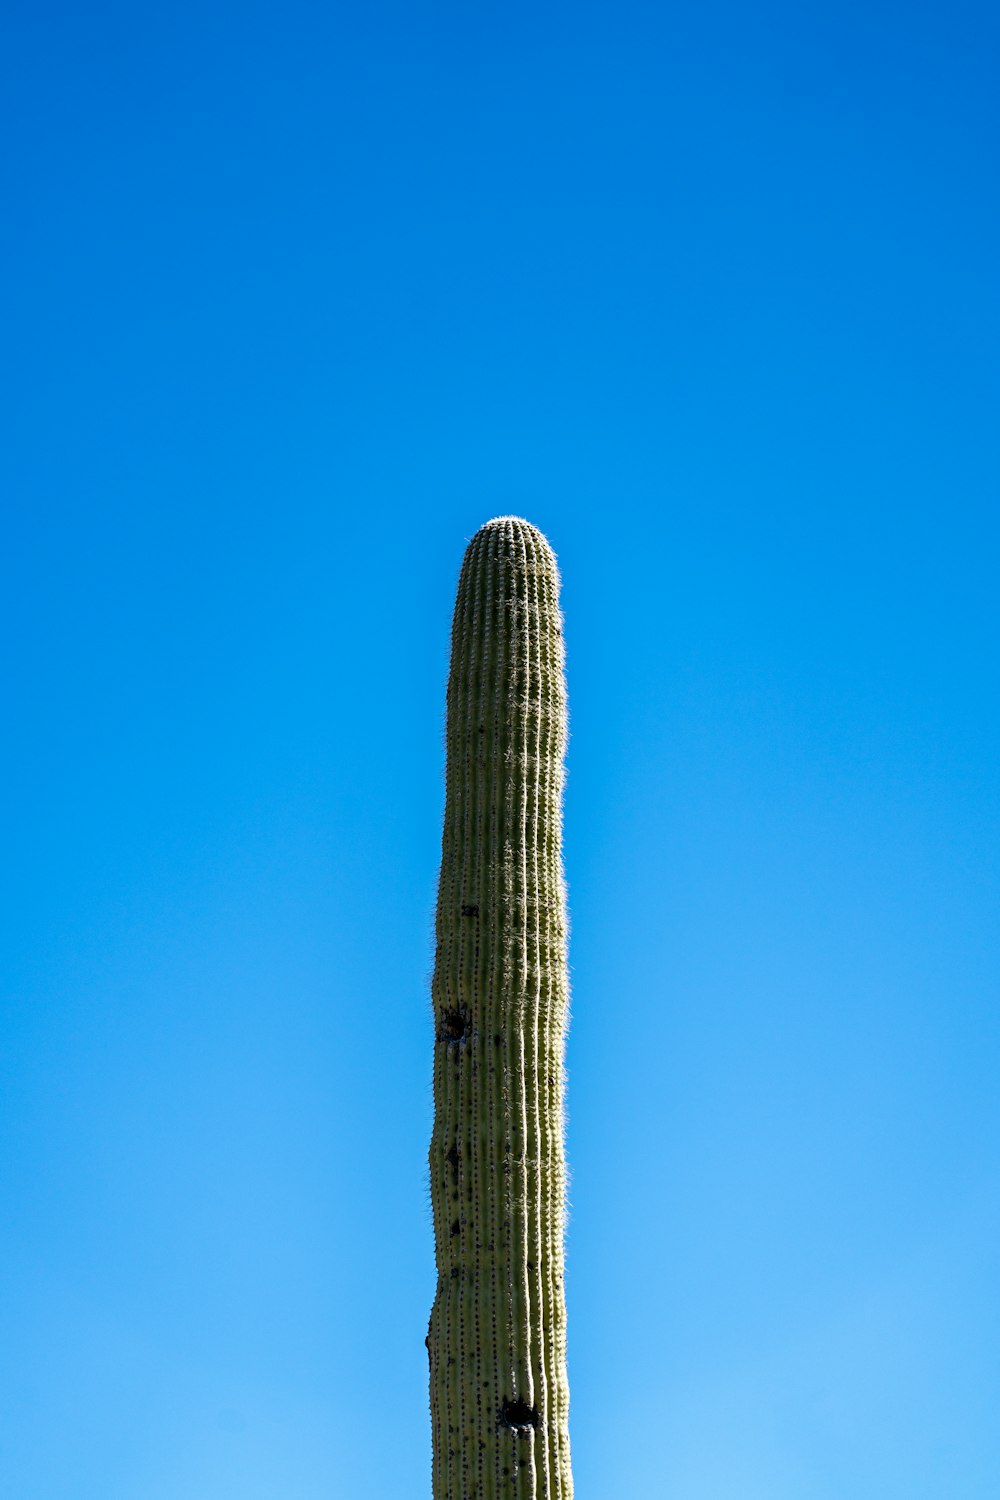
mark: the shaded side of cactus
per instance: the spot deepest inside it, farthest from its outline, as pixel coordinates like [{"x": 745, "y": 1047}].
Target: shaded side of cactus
[{"x": 498, "y": 1388}]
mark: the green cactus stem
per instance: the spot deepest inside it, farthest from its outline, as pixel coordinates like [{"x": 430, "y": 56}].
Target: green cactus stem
[{"x": 498, "y": 1388}]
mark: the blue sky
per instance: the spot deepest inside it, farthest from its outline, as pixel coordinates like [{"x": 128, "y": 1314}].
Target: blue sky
[{"x": 296, "y": 298}]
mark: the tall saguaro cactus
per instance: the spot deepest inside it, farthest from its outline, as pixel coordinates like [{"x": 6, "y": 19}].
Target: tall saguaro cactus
[{"x": 499, "y": 1396}]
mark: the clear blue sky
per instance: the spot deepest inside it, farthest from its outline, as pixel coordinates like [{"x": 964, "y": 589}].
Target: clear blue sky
[{"x": 295, "y": 297}]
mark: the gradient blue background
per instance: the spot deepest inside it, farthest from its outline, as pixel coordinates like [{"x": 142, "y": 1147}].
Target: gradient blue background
[{"x": 295, "y": 298}]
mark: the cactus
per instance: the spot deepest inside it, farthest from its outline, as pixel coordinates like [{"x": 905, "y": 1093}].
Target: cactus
[{"x": 498, "y": 1389}]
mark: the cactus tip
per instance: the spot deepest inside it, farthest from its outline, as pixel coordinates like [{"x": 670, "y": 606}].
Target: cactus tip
[
  {"x": 518, "y": 526},
  {"x": 518, "y": 522}
]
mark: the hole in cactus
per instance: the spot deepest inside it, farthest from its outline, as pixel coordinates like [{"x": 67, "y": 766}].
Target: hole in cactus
[
  {"x": 456, "y": 1226},
  {"x": 454, "y": 1025},
  {"x": 519, "y": 1416},
  {"x": 470, "y": 911},
  {"x": 452, "y": 1159}
]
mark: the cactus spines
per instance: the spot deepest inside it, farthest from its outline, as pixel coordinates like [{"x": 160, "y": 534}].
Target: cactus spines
[{"x": 498, "y": 1389}]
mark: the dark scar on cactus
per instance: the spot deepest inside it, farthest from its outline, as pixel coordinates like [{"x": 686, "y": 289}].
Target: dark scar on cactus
[
  {"x": 470, "y": 911},
  {"x": 519, "y": 1417},
  {"x": 454, "y": 1025}
]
